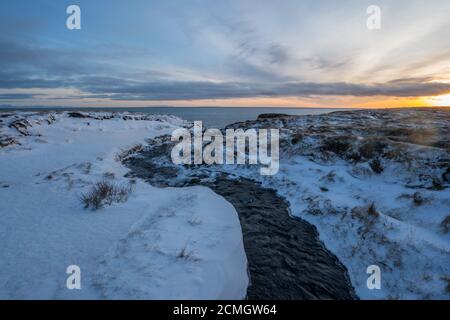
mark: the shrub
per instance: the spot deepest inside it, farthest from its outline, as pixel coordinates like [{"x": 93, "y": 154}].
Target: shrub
[
  {"x": 336, "y": 145},
  {"x": 187, "y": 254},
  {"x": 105, "y": 193},
  {"x": 376, "y": 166}
]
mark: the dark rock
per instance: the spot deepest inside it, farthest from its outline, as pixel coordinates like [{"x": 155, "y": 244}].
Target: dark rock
[
  {"x": 78, "y": 115},
  {"x": 266, "y": 116}
]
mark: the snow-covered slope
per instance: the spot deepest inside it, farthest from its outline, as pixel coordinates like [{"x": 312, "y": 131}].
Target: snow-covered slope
[{"x": 160, "y": 244}]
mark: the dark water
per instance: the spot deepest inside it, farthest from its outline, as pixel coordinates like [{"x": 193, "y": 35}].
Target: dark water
[
  {"x": 220, "y": 117},
  {"x": 212, "y": 117},
  {"x": 286, "y": 259}
]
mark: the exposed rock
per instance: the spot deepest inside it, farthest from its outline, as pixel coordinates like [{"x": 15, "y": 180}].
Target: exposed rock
[
  {"x": 78, "y": 115},
  {"x": 272, "y": 116},
  {"x": 96, "y": 116},
  {"x": 51, "y": 118},
  {"x": 7, "y": 141},
  {"x": 21, "y": 125}
]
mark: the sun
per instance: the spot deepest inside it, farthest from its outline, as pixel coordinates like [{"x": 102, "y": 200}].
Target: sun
[{"x": 440, "y": 101}]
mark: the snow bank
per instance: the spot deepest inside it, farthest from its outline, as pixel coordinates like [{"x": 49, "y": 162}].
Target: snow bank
[
  {"x": 127, "y": 250},
  {"x": 178, "y": 251}
]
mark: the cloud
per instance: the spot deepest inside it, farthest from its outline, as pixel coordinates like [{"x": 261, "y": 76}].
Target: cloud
[
  {"x": 256, "y": 66},
  {"x": 18, "y": 96},
  {"x": 121, "y": 88},
  {"x": 173, "y": 90}
]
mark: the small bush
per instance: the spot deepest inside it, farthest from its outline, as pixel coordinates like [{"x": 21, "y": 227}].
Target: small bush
[
  {"x": 105, "y": 193},
  {"x": 366, "y": 213},
  {"x": 336, "y": 145},
  {"x": 376, "y": 166},
  {"x": 418, "y": 198},
  {"x": 372, "y": 148}
]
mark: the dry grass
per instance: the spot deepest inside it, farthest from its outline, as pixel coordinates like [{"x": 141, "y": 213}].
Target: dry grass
[
  {"x": 445, "y": 224},
  {"x": 187, "y": 254},
  {"x": 105, "y": 193}
]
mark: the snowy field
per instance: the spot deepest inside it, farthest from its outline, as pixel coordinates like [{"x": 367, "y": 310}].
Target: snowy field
[{"x": 159, "y": 244}]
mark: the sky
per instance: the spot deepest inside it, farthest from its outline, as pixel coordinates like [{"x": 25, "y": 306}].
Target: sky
[{"x": 287, "y": 53}]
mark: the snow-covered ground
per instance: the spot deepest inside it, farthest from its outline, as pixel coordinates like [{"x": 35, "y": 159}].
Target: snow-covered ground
[
  {"x": 159, "y": 244},
  {"x": 187, "y": 242},
  {"x": 405, "y": 240},
  {"x": 376, "y": 184},
  {"x": 332, "y": 185}
]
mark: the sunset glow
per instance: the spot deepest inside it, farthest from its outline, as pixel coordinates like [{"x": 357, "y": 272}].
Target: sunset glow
[{"x": 439, "y": 101}]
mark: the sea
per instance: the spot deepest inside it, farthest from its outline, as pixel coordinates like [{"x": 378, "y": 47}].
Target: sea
[{"x": 212, "y": 117}]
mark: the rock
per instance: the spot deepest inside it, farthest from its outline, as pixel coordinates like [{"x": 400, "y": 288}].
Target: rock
[
  {"x": 264, "y": 116},
  {"x": 22, "y": 126},
  {"x": 7, "y": 141},
  {"x": 50, "y": 118},
  {"x": 77, "y": 115}
]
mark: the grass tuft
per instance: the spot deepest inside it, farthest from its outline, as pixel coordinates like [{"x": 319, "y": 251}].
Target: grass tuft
[{"x": 105, "y": 193}]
